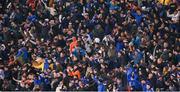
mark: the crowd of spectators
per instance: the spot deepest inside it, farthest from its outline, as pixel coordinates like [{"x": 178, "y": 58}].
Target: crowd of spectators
[{"x": 90, "y": 45}]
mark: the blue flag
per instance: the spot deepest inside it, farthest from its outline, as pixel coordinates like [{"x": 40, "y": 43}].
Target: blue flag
[{"x": 22, "y": 55}]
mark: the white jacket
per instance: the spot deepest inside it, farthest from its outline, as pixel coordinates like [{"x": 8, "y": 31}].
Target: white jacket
[
  {"x": 174, "y": 17},
  {"x": 1, "y": 74}
]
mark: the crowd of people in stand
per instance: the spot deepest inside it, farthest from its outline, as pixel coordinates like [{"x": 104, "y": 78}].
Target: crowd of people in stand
[{"x": 89, "y": 45}]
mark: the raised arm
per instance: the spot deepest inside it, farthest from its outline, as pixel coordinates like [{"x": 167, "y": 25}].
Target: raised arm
[
  {"x": 44, "y": 4},
  {"x": 169, "y": 15}
]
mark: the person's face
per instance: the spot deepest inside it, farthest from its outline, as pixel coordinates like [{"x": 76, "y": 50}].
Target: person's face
[
  {"x": 15, "y": 69},
  {"x": 119, "y": 81},
  {"x": 119, "y": 54},
  {"x": 86, "y": 16},
  {"x": 140, "y": 73},
  {"x": 30, "y": 49},
  {"x": 70, "y": 84},
  {"x": 159, "y": 61},
  {"x": 150, "y": 75},
  {"x": 156, "y": 21},
  {"x": 171, "y": 77},
  {"x": 80, "y": 84},
  {"x": 95, "y": 71},
  {"x": 102, "y": 66},
  {"x": 75, "y": 67},
  {"x": 70, "y": 25},
  {"x": 165, "y": 45},
  {"x": 139, "y": 12},
  {"x": 5, "y": 68},
  {"x": 173, "y": 67},
  {"x": 25, "y": 68},
  {"x": 60, "y": 37},
  {"x": 154, "y": 37},
  {"x": 121, "y": 69},
  {"x": 111, "y": 46},
  {"x": 160, "y": 78},
  {"x": 23, "y": 78},
  {"x": 142, "y": 24},
  {"x": 33, "y": 56},
  {"x": 29, "y": 14},
  {"x": 143, "y": 81},
  {"x": 59, "y": 49},
  {"x": 122, "y": 1},
  {"x": 154, "y": 43},
  {"x": 26, "y": 85},
  {"x": 136, "y": 53},
  {"x": 148, "y": 86}
]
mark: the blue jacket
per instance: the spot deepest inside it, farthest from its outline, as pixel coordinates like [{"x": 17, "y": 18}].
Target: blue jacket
[
  {"x": 138, "y": 18},
  {"x": 23, "y": 53},
  {"x": 82, "y": 52},
  {"x": 37, "y": 82},
  {"x": 143, "y": 87},
  {"x": 113, "y": 7},
  {"x": 119, "y": 46},
  {"x": 32, "y": 18},
  {"x": 146, "y": 90},
  {"x": 101, "y": 87},
  {"x": 138, "y": 58},
  {"x": 137, "y": 41}
]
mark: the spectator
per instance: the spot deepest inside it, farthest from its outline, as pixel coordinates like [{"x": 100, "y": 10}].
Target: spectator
[{"x": 89, "y": 45}]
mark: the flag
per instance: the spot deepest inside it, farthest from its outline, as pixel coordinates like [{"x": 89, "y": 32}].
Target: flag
[
  {"x": 75, "y": 73},
  {"x": 165, "y": 2},
  {"x": 73, "y": 44},
  {"x": 41, "y": 63},
  {"x": 38, "y": 63},
  {"x": 22, "y": 55}
]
